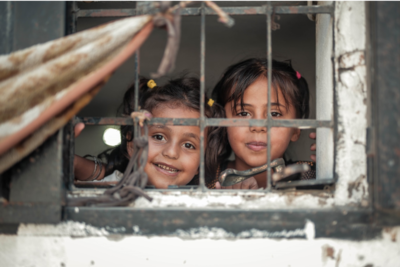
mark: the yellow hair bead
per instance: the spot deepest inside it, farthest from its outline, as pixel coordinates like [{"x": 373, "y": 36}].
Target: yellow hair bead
[
  {"x": 151, "y": 84},
  {"x": 210, "y": 102}
]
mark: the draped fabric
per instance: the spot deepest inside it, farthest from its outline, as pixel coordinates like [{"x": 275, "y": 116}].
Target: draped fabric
[{"x": 43, "y": 86}]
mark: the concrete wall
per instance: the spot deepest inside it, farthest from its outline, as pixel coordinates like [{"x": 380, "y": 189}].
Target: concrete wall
[{"x": 76, "y": 244}]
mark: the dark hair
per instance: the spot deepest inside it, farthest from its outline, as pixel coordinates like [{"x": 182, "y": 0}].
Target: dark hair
[
  {"x": 241, "y": 75},
  {"x": 183, "y": 91}
]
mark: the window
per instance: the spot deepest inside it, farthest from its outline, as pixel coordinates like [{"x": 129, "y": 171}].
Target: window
[
  {"x": 342, "y": 81},
  {"x": 255, "y": 16}
]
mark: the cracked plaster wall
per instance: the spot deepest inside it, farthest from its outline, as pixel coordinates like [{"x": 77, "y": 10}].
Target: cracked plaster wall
[
  {"x": 351, "y": 96},
  {"x": 74, "y": 244},
  {"x": 77, "y": 244}
]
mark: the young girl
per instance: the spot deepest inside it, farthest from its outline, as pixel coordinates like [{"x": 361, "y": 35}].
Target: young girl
[
  {"x": 243, "y": 93},
  {"x": 174, "y": 151}
]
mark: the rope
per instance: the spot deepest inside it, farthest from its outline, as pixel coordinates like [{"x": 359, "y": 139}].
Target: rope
[{"x": 130, "y": 187}]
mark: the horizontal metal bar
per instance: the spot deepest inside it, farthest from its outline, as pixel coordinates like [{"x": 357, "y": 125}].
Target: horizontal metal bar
[
  {"x": 30, "y": 213},
  {"x": 104, "y": 120},
  {"x": 302, "y": 124},
  {"x": 92, "y": 13},
  {"x": 303, "y": 183},
  {"x": 129, "y": 121},
  {"x": 106, "y": 1},
  {"x": 195, "y": 11},
  {"x": 304, "y": 9},
  {"x": 218, "y": 2},
  {"x": 245, "y": 10},
  {"x": 350, "y": 224}
]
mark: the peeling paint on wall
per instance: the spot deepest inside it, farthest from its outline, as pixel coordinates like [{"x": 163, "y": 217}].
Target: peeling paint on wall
[
  {"x": 351, "y": 95},
  {"x": 56, "y": 249}
]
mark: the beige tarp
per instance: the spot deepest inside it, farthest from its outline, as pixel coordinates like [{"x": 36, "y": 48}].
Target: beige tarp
[{"x": 59, "y": 78}]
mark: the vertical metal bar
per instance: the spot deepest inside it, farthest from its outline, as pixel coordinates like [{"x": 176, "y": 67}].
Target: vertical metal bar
[
  {"x": 269, "y": 57},
  {"x": 70, "y": 135},
  {"x": 334, "y": 95},
  {"x": 74, "y": 22},
  {"x": 7, "y": 27},
  {"x": 136, "y": 96},
  {"x": 135, "y": 127},
  {"x": 70, "y": 127},
  {"x": 202, "y": 92},
  {"x": 324, "y": 93},
  {"x": 69, "y": 130}
]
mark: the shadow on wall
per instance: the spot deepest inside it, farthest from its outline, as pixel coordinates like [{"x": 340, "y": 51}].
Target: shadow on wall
[{"x": 295, "y": 40}]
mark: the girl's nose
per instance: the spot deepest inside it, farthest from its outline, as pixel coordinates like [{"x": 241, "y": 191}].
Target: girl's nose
[
  {"x": 258, "y": 128},
  {"x": 171, "y": 151}
]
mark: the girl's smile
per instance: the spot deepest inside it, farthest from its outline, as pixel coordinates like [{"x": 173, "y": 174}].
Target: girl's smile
[
  {"x": 174, "y": 151},
  {"x": 250, "y": 143},
  {"x": 166, "y": 169}
]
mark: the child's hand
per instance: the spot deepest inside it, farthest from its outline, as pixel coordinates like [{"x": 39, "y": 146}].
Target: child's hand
[
  {"x": 250, "y": 183},
  {"x": 78, "y": 128},
  {"x": 313, "y": 146}
]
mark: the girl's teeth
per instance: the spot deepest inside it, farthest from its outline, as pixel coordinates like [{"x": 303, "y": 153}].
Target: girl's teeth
[{"x": 167, "y": 168}]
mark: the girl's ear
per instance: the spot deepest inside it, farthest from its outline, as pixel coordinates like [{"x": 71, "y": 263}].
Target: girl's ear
[{"x": 295, "y": 135}]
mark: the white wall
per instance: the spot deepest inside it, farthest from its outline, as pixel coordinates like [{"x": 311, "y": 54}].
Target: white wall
[{"x": 74, "y": 244}]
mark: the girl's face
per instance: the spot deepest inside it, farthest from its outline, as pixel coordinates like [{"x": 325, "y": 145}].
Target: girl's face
[
  {"x": 174, "y": 151},
  {"x": 250, "y": 143}
]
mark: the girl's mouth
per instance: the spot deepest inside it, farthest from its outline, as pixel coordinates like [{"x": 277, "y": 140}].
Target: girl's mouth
[
  {"x": 166, "y": 169},
  {"x": 256, "y": 146}
]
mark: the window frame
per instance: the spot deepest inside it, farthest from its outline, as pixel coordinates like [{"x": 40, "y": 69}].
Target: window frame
[{"x": 348, "y": 221}]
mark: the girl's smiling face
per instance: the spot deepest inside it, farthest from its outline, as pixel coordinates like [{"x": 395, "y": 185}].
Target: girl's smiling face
[
  {"x": 250, "y": 143},
  {"x": 174, "y": 151}
]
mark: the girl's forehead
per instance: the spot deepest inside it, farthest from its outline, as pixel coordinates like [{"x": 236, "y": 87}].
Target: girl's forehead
[
  {"x": 258, "y": 91},
  {"x": 174, "y": 110}
]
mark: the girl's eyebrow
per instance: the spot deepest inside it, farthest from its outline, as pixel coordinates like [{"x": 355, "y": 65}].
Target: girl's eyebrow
[
  {"x": 276, "y": 104},
  {"x": 243, "y": 105},
  {"x": 272, "y": 104},
  {"x": 161, "y": 127},
  {"x": 192, "y": 135}
]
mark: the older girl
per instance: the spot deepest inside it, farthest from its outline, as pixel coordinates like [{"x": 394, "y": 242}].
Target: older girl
[{"x": 242, "y": 92}]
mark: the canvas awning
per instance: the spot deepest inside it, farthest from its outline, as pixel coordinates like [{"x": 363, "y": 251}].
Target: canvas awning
[{"x": 44, "y": 86}]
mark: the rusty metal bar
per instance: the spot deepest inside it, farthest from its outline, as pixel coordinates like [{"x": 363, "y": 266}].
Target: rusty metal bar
[
  {"x": 202, "y": 94},
  {"x": 195, "y": 11},
  {"x": 302, "y": 124},
  {"x": 136, "y": 96},
  {"x": 92, "y": 13},
  {"x": 106, "y": 1},
  {"x": 219, "y": 2},
  {"x": 6, "y": 27},
  {"x": 301, "y": 183},
  {"x": 268, "y": 10},
  {"x": 75, "y": 16},
  {"x": 304, "y": 9}
]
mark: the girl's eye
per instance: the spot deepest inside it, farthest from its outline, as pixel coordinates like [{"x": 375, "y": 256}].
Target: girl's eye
[
  {"x": 158, "y": 137},
  {"x": 243, "y": 114},
  {"x": 276, "y": 114},
  {"x": 189, "y": 146}
]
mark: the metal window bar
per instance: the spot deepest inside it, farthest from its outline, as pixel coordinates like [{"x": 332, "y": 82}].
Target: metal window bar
[
  {"x": 195, "y": 11},
  {"x": 269, "y": 119},
  {"x": 203, "y": 122}
]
